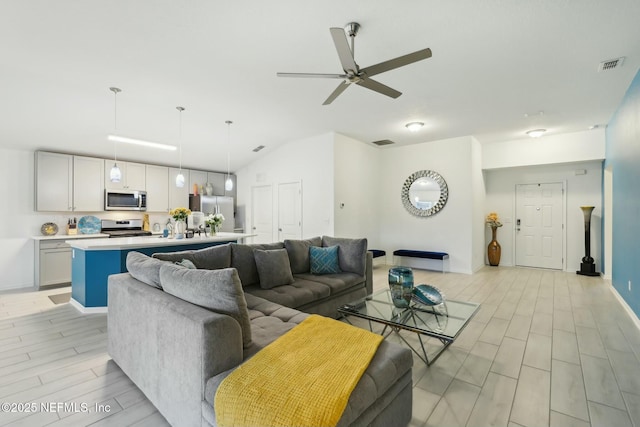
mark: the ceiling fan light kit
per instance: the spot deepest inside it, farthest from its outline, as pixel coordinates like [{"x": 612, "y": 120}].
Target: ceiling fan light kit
[{"x": 353, "y": 73}]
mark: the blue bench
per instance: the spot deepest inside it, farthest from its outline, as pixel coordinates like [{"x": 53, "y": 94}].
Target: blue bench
[
  {"x": 442, "y": 256},
  {"x": 377, "y": 252}
]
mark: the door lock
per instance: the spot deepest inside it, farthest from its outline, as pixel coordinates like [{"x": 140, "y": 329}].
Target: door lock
[{"x": 517, "y": 224}]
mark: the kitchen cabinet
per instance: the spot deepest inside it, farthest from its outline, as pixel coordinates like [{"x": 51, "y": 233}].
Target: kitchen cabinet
[
  {"x": 133, "y": 176},
  {"x": 198, "y": 178},
  {"x": 88, "y": 186},
  {"x": 178, "y": 197},
  {"x": 158, "y": 182},
  {"x": 54, "y": 263},
  {"x": 217, "y": 180},
  {"x": 54, "y": 181},
  {"x": 66, "y": 183}
]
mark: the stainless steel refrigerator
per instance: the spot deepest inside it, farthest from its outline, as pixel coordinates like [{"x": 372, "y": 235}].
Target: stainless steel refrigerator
[{"x": 219, "y": 204}]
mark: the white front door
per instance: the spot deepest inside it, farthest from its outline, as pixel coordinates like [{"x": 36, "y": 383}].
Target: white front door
[
  {"x": 262, "y": 214},
  {"x": 289, "y": 211},
  {"x": 539, "y": 225}
]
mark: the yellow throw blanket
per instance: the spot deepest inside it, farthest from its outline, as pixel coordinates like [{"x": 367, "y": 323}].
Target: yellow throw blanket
[{"x": 304, "y": 378}]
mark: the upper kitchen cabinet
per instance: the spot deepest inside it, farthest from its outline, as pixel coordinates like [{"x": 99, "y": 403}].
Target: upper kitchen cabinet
[
  {"x": 199, "y": 179},
  {"x": 157, "y": 178},
  {"x": 217, "y": 180},
  {"x": 133, "y": 176},
  {"x": 54, "y": 182},
  {"x": 88, "y": 186},
  {"x": 178, "y": 196},
  {"x": 66, "y": 183}
]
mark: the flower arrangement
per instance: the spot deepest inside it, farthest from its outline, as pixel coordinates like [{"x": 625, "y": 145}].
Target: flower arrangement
[
  {"x": 493, "y": 220},
  {"x": 180, "y": 214},
  {"x": 214, "y": 221}
]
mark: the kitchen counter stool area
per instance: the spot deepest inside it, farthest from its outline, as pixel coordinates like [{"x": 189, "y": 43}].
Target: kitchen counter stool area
[{"x": 93, "y": 260}]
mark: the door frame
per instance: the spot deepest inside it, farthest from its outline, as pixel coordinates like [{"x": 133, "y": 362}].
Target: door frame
[{"x": 564, "y": 222}]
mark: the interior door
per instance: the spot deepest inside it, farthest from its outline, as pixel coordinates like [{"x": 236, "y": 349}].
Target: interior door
[
  {"x": 262, "y": 214},
  {"x": 539, "y": 225},
  {"x": 289, "y": 211}
]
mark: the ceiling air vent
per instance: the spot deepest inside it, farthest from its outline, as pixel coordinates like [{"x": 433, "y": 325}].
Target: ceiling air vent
[
  {"x": 610, "y": 64},
  {"x": 383, "y": 142},
  {"x": 258, "y": 148}
]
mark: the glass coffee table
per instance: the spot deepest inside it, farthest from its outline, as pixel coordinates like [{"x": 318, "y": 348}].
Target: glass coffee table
[{"x": 443, "y": 322}]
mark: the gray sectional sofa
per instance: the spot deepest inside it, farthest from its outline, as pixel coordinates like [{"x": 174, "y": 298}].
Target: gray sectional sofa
[{"x": 178, "y": 332}]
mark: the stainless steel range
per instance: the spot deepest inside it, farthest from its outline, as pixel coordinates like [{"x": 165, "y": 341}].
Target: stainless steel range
[{"x": 123, "y": 228}]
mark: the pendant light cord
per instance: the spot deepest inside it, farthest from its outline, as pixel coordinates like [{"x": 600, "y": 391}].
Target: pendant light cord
[
  {"x": 180, "y": 110},
  {"x": 228, "y": 122},
  {"x": 115, "y": 91}
]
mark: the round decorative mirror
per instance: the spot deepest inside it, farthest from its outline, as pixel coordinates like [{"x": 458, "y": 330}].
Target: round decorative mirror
[{"x": 424, "y": 193}]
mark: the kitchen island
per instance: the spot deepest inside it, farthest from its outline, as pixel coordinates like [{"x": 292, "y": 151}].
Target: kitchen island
[{"x": 93, "y": 260}]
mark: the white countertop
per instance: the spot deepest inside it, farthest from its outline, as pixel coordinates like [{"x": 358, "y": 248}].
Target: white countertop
[
  {"x": 119, "y": 243},
  {"x": 70, "y": 236}
]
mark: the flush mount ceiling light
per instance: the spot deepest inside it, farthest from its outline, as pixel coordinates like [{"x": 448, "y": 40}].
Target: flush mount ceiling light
[
  {"x": 414, "y": 126},
  {"x": 536, "y": 133},
  {"x": 180, "y": 176},
  {"x": 115, "y": 175},
  {"x": 228, "y": 184}
]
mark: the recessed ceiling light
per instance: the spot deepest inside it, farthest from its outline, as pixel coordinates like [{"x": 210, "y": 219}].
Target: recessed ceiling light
[
  {"x": 414, "y": 126},
  {"x": 536, "y": 133}
]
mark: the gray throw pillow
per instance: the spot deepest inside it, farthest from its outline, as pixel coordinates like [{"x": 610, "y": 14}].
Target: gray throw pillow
[
  {"x": 144, "y": 268},
  {"x": 211, "y": 258},
  {"x": 352, "y": 253},
  {"x": 186, "y": 264},
  {"x": 298, "y": 251},
  {"x": 216, "y": 290},
  {"x": 273, "y": 268}
]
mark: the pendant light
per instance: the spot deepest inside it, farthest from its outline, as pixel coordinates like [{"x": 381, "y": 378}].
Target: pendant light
[
  {"x": 228, "y": 184},
  {"x": 115, "y": 175},
  {"x": 180, "y": 176}
]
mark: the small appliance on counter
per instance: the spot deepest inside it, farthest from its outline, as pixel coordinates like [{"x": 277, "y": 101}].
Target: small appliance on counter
[
  {"x": 123, "y": 228},
  {"x": 195, "y": 224}
]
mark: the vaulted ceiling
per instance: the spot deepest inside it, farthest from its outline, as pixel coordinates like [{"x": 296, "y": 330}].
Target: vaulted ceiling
[{"x": 493, "y": 62}]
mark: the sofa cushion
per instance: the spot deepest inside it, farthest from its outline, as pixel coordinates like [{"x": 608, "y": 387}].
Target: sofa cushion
[
  {"x": 144, "y": 268},
  {"x": 352, "y": 253},
  {"x": 324, "y": 260},
  {"x": 217, "y": 290},
  {"x": 298, "y": 251},
  {"x": 335, "y": 282},
  {"x": 298, "y": 293},
  {"x": 211, "y": 258},
  {"x": 273, "y": 268},
  {"x": 242, "y": 260}
]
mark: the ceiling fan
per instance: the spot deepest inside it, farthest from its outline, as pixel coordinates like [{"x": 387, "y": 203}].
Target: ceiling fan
[{"x": 353, "y": 73}]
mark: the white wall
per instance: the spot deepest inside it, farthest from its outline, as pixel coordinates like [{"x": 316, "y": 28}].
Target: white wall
[
  {"x": 581, "y": 190},
  {"x": 450, "y": 230},
  {"x": 310, "y": 161},
  {"x": 357, "y": 189},
  {"x": 552, "y": 149},
  {"x": 479, "y": 194}
]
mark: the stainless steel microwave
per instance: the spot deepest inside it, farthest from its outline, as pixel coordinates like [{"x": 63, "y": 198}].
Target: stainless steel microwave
[{"x": 125, "y": 200}]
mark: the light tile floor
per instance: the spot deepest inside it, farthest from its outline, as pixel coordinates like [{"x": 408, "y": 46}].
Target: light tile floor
[{"x": 546, "y": 349}]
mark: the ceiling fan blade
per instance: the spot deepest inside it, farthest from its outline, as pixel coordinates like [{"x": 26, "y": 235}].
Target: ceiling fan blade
[
  {"x": 341, "y": 87},
  {"x": 379, "y": 87},
  {"x": 344, "y": 51},
  {"x": 312, "y": 75},
  {"x": 400, "y": 61}
]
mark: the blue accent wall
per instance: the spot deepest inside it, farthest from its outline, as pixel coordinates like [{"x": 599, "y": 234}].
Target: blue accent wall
[{"x": 623, "y": 157}]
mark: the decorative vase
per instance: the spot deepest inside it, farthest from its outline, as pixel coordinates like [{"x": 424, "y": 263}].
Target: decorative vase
[
  {"x": 213, "y": 229},
  {"x": 401, "y": 286},
  {"x": 493, "y": 250},
  {"x": 180, "y": 229},
  {"x": 208, "y": 188}
]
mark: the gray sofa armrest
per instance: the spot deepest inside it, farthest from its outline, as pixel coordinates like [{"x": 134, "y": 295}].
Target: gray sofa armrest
[
  {"x": 369, "y": 273},
  {"x": 169, "y": 347}
]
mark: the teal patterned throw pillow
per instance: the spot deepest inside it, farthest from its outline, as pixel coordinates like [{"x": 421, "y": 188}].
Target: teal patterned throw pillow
[{"x": 324, "y": 260}]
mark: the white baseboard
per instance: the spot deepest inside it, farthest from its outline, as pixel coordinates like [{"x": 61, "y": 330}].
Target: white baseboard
[
  {"x": 87, "y": 310},
  {"x": 633, "y": 316}
]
